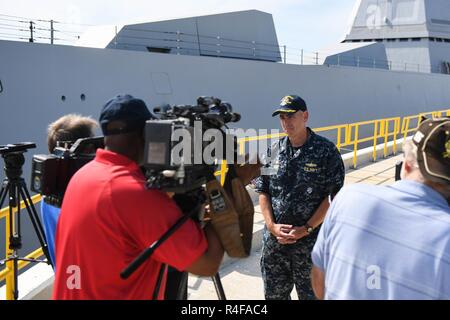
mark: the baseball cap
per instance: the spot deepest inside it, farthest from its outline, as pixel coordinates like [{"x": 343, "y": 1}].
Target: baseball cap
[
  {"x": 290, "y": 104},
  {"x": 433, "y": 143},
  {"x": 125, "y": 108}
]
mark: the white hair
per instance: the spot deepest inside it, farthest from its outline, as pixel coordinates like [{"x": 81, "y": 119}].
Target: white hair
[{"x": 410, "y": 153}]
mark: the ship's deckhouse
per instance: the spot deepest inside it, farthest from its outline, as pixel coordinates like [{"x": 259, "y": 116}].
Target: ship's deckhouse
[
  {"x": 413, "y": 32},
  {"x": 246, "y": 34}
]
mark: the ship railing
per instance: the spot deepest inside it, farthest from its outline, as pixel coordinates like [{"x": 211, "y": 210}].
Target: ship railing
[
  {"x": 380, "y": 128},
  {"x": 349, "y": 137},
  {"x": 346, "y": 135},
  {"x": 411, "y": 123},
  {"x": 216, "y": 45}
]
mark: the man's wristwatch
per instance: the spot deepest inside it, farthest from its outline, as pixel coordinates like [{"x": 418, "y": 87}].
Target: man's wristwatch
[{"x": 309, "y": 229}]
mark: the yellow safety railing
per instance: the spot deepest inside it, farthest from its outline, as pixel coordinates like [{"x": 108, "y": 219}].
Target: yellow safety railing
[
  {"x": 341, "y": 130},
  {"x": 386, "y": 129},
  {"x": 417, "y": 119},
  {"x": 346, "y": 135},
  {"x": 381, "y": 129},
  {"x": 243, "y": 141},
  {"x": 222, "y": 172}
]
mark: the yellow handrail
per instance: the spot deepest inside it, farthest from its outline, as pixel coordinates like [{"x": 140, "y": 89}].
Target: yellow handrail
[
  {"x": 338, "y": 128},
  {"x": 381, "y": 130},
  {"x": 7, "y": 272}
]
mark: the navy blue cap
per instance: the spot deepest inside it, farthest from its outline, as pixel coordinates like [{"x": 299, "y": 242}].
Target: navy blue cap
[
  {"x": 290, "y": 104},
  {"x": 125, "y": 108}
]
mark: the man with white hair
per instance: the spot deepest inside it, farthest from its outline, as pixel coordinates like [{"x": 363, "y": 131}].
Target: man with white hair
[{"x": 392, "y": 242}]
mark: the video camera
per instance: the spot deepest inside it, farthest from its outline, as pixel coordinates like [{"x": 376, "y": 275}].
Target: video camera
[
  {"x": 179, "y": 166},
  {"x": 50, "y": 174},
  {"x": 179, "y": 173}
]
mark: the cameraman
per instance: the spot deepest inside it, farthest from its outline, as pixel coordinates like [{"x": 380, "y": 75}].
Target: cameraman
[
  {"x": 108, "y": 218},
  {"x": 68, "y": 128}
]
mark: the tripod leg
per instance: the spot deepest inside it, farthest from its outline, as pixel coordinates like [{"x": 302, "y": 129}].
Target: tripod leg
[
  {"x": 182, "y": 288},
  {"x": 2, "y": 196},
  {"x": 175, "y": 285},
  {"x": 161, "y": 273},
  {"x": 12, "y": 290},
  {"x": 5, "y": 190},
  {"x": 28, "y": 198},
  {"x": 16, "y": 279},
  {"x": 219, "y": 287},
  {"x": 18, "y": 226}
]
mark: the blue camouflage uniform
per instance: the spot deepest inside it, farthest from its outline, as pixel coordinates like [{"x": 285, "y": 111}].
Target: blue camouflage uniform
[{"x": 297, "y": 181}]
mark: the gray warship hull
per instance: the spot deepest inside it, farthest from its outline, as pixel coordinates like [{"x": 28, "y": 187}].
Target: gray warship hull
[{"x": 41, "y": 83}]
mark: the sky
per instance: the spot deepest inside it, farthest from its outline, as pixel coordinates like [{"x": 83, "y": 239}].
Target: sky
[{"x": 304, "y": 24}]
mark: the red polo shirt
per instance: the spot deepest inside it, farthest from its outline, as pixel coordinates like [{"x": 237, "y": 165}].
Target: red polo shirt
[{"x": 108, "y": 217}]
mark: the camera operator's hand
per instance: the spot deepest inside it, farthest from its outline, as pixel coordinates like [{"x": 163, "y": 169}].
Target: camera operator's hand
[
  {"x": 208, "y": 264},
  {"x": 170, "y": 194}
]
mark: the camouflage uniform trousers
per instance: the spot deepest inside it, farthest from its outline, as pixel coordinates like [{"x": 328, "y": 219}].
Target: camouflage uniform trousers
[{"x": 283, "y": 266}]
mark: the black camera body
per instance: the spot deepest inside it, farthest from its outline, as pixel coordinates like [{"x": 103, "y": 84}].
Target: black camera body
[
  {"x": 179, "y": 170},
  {"x": 51, "y": 173},
  {"x": 162, "y": 171},
  {"x": 16, "y": 148},
  {"x": 14, "y": 159}
]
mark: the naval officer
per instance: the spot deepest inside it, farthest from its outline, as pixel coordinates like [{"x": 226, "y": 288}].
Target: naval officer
[{"x": 304, "y": 170}]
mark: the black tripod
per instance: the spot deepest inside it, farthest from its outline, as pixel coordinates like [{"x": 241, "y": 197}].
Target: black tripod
[
  {"x": 181, "y": 292},
  {"x": 14, "y": 186},
  {"x": 183, "y": 281}
]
